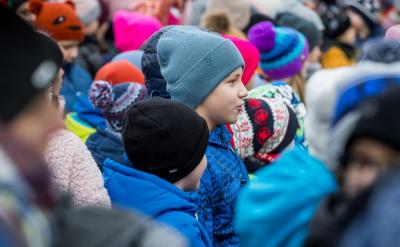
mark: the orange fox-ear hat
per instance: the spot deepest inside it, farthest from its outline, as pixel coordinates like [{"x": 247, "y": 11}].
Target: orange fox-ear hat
[{"x": 59, "y": 20}]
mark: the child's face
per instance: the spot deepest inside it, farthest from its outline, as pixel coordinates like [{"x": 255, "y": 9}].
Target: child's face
[
  {"x": 25, "y": 14},
  {"x": 356, "y": 21},
  {"x": 69, "y": 49},
  {"x": 225, "y": 103},
  {"x": 367, "y": 159}
]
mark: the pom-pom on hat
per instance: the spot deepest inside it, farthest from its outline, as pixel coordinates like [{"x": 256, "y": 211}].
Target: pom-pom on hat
[
  {"x": 283, "y": 50},
  {"x": 114, "y": 101},
  {"x": 264, "y": 129}
]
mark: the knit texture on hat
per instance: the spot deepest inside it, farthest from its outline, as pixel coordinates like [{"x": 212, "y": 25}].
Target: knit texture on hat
[
  {"x": 251, "y": 57},
  {"x": 88, "y": 10},
  {"x": 114, "y": 101},
  {"x": 194, "y": 62},
  {"x": 308, "y": 29},
  {"x": 283, "y": 50},
  {"x": 368, "y": 9},
  {"x": 263, "y": 130},
  {"x": 59, "y": 20},
  {"x": 131, "y": 29},
  {"x": 334, "y": 18},
  {"x": 119, "y": 72},
  {"x": 164, "y": 138},
  {"x": 284, "y": 92},
  {"x": 28, "y": 68}
]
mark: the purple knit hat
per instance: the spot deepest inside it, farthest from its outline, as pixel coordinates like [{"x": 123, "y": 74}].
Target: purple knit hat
[
  {"x": 114, "y": 101},
  {"x": 283, "y": 50}
]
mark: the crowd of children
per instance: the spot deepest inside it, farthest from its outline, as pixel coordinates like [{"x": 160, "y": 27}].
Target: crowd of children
[{"x": 199, "y": 123}]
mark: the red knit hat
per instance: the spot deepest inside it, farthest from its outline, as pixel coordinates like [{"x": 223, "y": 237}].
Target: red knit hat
[
  {"x": 58, "y": 19},
  {"x": 119, "y": 72}
]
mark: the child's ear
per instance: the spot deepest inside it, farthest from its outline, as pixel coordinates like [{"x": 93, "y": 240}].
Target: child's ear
[
  {"x": 35, "y": 6},
  {"x": 71, "y": 3}
]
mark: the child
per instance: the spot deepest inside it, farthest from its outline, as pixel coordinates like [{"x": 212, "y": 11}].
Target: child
[
  {"x": 27, "y": 119},
  {"x": 72, "y": 167},
  {"x": 340, "y": 37},
  {"x": 251, "y": 58},
  {"x": 86, "y": 119},
  {"x": 165, "y": 142},
  {"x": 61, "y": 22},
  {"x": 284, "y": 52},
  {"x": 365, "y": 18},
  {"x": 21, "y": 8},
  {"x": 113, "y": 101},
  {"x": 208, "y": 79},
  {"x": 90, "y": 56},
  {"x": 264, "y": 130}
]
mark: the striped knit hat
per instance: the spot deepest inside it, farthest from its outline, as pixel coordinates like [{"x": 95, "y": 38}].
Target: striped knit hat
[
  {"x": 114, "y": 101},
  {"x": 264, "y": 129},
  {"x": 283, "y": 50}
]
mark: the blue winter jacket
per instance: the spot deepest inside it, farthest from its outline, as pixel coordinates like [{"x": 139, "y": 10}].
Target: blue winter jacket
[
  {"x": 277, "y": 206},
  {"x": 156, "y": 198},
  {"x": 76, "y": 82},
  {"x": 220, "y": 186},
  {"x": 88, "y": 113},
  {"x": 105, "y": 144}
]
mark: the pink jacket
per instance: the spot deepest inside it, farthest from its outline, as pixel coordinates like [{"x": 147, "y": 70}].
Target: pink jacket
[{"x": 75, "y": 171}]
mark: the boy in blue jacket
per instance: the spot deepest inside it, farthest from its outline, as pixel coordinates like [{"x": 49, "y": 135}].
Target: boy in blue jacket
[
  {"x": 203, "y": 70},
  {"x": 166, "y": 142}
]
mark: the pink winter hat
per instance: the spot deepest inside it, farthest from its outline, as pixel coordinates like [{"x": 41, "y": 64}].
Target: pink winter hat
[
  {"x": 132, "y": 29},
  {"x": 393, "y": 33},
  {"x": 250, "y": 54}
]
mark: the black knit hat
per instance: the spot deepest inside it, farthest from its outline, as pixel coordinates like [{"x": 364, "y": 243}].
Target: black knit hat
[
  {"x": 29, "y": 63},
  {"x": 164, "y": 138},
  {"x": 308, "y": 29},
  {"x": 380, "y": 120},
  {"x": 335, "y": 19}
]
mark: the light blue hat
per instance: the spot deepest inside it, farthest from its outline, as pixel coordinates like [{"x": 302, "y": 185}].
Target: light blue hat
[
  {"x": 194, "y": 62},
  {"x": 134, "y": 57}
]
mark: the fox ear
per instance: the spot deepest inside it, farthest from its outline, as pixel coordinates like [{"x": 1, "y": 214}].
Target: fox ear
[
  {"x": 71, "y": 3},
  {"x": 35, "y": 6}
]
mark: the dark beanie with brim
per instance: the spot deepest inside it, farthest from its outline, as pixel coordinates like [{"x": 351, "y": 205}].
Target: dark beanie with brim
[
  {"x": 164, "y": 138},
  {"x": 379, "y": 119},
  {"x": 27, "y": 68}
]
